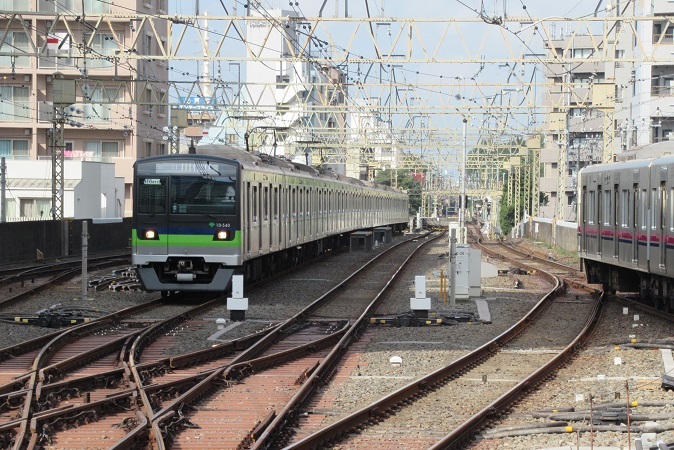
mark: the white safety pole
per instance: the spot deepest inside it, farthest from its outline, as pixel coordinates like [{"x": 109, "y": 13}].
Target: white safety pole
[
  {"x": 85, "y": 251},
  {"x": 452, "y": 268}
]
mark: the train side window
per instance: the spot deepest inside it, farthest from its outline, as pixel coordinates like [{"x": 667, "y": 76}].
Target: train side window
[
  {"x": 293, "y": 201},
  {"x": 299, "y": 202},
  {"x": 663, "y": 206},
  {"x": 624, "y": 207},
  {"x": 254, "y": 210},
  {"x": 643, "y": 197},
  {"x": 671, "y": 209},
  {"x": 615, "y": 209},
  {"x": 635, "y": 207},
  {"x": 607, "y": 208},
  {"x": 654, "y": 199},
  {"x": 265, "y": 204},
  {"x": 275, "y": 203},
  {"x": 590, "y": 208}
]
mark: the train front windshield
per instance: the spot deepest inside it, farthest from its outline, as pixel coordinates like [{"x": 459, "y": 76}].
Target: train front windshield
[
  {"x": 210, "y": 193},
  {"x": 188, "y": 195}
]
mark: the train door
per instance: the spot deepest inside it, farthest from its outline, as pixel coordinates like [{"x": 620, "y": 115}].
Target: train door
[
  {"x": 600, "y": 218},
  {"x": 635, "y": 223},
  {"x": 669, "y": 224},
  {"x": 583, "y": 222},
  {"x": 265, "y": 229},
  {"x": 276, "y": 220},
  {"x": 256, "y": 229},
  {"x": 285, "y": 199},
  {"x": 298, "y": 216},
  {"x": 616, "y": 224},
  {"x": 248, "y": 215},
  {"x": 293, "y": 216},
  {"x": 662, "y": 223}
]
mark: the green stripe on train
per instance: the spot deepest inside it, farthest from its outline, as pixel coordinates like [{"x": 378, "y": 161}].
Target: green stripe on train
[{"x": 186, "y": 240}]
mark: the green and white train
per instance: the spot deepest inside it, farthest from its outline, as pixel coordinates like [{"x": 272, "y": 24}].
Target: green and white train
[{"x": 200, "y": 218}]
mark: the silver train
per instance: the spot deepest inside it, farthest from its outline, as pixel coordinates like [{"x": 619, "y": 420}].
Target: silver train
[
  {"x": 200, "y": 218},
  {"x": 626, "y": 228}
]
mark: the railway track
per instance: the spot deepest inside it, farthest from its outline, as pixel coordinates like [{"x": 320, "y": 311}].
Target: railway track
[
  {"x": 284, "y": 369},
  {"x": 21, "y": 283},
  {"x": 170, "y": 397},
  {"x": 382, "y": 424},
  {"x": 106, "y": 386}
]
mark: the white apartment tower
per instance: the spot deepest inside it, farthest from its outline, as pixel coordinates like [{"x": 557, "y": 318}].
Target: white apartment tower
[{"x": 284, "y": 107}]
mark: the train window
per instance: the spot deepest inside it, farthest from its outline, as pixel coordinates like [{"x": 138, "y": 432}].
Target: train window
[
  {"x": 654, "y": 199},
  {"x": 607, "y": 208},
  {"x": 265, "y": 203},
  {"x": 591, "y": 210},
  {"x": 293, "y": 201},
  {"x": 671, "y": 210},
  {"x": 202, "y": 195},
  {"x": 615, "y": 209},
  {"x": 642, "y": 200},
  {"x": 635, "y": 207},
  {"x": 254, "y": 204},
  {"x": 152, "y": 195},
  {"x": 624, "y": 207},
  {"x": 663, "y": 205},
  {"x": 300, "y": 202},
  {"x": 274, "y": 208}
]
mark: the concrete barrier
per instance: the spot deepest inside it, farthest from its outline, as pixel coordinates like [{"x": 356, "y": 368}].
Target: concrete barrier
[
  {"x": 555, "y": 233},
  {"x": 22, "y": 241}
]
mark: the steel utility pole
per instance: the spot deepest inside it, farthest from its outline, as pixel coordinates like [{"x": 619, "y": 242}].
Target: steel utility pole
[
  {"x": 462, "y": 205},
  {"x": 3, "y": 187},
  {"x": 64, "y": 96}
]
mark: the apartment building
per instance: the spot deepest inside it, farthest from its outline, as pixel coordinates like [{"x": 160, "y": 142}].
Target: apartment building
[
  {"x": 639, "y": 113},
  {"x": 120, "y": 108}
]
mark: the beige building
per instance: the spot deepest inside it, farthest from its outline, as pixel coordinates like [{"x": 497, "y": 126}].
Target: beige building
[
  {"x": 118, "y": 116},
  {"x": 640, "y": 96}
]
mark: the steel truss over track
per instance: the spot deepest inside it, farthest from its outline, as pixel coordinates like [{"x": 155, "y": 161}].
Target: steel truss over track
[{"x": 495, "y": 71}]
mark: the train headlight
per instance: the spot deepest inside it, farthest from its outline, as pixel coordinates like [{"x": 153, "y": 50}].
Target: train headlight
[
  {"x": 221, "y": 235},
  {"x": 149, "y": 235}
]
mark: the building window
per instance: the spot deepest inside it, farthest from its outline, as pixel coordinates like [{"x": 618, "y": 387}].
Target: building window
[
  {"x": 582, "y": 52},
  {"x": 34, "y": 208},
  {"x": 147, "y": 101},
  {"x": 14, "y": 148},
  {"x": 15, "y": 42},
  {"x": 148, "y": 149},
  {"x": 14, "y": 104},
  {"x": 147, "y": 47},
  {"x": 161, "y": 105},
  {"x": 162, "y": 149},
  {"x": 101, "y": 149},
  {"x": 102, "y": 44}
]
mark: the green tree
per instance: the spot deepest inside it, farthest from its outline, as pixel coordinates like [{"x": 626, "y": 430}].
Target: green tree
[{"x": 506, "y": 218}]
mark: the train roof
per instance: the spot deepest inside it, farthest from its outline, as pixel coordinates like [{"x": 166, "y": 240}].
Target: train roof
[
  {"x": 631, "y": 164},
  {"x": 257, "y": 160}
]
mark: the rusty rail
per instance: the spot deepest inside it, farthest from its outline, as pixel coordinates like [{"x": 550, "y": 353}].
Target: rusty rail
[{"x": 171, "y": 416}]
